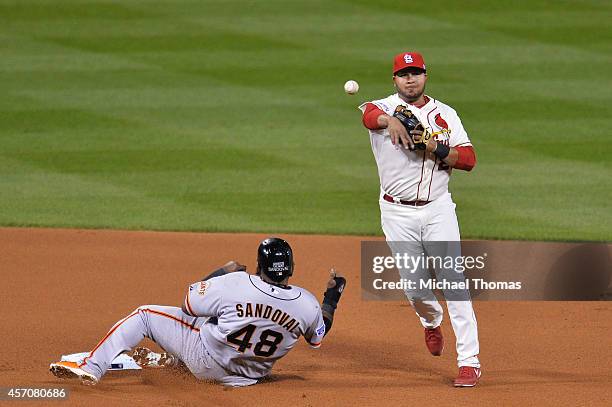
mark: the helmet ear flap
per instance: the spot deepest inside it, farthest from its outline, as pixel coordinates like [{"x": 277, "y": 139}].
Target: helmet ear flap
[{"x": 275, "y": 259}]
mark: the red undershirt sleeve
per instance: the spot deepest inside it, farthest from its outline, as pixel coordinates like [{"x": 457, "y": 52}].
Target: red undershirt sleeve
[
  {"x": 466, "y": 159},
  {"x": 370, "y": 116}
]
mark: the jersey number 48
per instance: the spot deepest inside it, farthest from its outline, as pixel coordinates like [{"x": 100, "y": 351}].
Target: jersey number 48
[{"x": 267, "y": 345}]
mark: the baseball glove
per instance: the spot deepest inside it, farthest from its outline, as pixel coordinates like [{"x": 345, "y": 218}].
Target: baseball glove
[{"x": 411, "y": 122}]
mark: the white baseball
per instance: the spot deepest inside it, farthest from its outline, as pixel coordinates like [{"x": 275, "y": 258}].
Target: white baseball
[{"x": 351, "y": 87}]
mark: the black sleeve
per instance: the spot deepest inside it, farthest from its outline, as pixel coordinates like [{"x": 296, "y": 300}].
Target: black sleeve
[
  {"x": 330, "y": 302},
  {"x": 328, "y": 319}
]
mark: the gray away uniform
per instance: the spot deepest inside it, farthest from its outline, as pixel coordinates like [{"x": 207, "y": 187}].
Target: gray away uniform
[{"x": 256, "y": 324}]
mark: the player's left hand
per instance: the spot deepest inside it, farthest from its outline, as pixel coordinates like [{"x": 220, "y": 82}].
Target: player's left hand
[
  {"x": 335, "y": 288},
  {"x": 232, "y": 266},
  {"x": 334, "y": 278},
  {"x": 422, "y": 139},
  {"x": 417, "y": 137}
]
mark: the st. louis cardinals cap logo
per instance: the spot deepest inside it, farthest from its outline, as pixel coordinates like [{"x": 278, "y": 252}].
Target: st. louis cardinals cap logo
[{"x": 408, "y": 59}]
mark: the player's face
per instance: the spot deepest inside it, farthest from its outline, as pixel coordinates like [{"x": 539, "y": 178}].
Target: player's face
[{"x": 410, "y": 83}]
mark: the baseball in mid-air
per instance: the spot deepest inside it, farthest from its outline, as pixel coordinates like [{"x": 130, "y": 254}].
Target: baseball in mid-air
[{"x": 351, "y": 87}]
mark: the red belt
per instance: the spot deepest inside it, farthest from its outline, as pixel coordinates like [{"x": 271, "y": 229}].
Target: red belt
[{"x": 389, "y": 198}]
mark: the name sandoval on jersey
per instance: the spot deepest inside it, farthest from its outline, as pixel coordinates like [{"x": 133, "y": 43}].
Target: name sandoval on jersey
[{"x": 277, "y": 316}]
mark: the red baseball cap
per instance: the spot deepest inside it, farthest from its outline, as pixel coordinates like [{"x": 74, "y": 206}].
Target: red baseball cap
[{"x": 408, "y": 59}]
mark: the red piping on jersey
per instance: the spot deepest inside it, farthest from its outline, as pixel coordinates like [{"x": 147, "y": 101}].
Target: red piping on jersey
[
  {"x": 421, "y": 180},
  {"x": 466, "y": 160},
  {"x": 435, "y": 157},
  {"x": 163, "y": 314},
  {"x": 423, "y": 164},
  {"x": 432, "y": 174},
  {"x": 430, "y": 112},
  {"x": 188, "y": 305},
  {"x": 425, "y": 101}
]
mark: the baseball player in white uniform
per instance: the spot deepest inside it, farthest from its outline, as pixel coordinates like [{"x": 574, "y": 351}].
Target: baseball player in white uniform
[
  {"x": 415, "y": 203},
  {"x": 232, "y": 328}
]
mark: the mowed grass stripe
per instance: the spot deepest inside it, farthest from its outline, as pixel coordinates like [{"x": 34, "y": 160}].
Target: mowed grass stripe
[
  {"x": 213, "y": 126},
  {"x": 126, "y": 200}
]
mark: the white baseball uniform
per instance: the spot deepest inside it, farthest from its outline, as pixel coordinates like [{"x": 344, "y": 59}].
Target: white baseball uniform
[
  {"x": 419, "y": 176},
  {"x": 256, "y": 324}
]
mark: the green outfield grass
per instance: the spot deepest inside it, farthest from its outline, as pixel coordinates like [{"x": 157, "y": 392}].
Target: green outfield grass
[{"x": 230, "y": 115}]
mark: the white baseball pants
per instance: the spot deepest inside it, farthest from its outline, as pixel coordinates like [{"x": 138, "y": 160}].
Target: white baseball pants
[{"x": 435, "y": 221}]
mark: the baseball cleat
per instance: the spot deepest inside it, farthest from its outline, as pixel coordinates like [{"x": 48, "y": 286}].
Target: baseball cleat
[
  {"x": 71, "y": 370},
  {"x": 434, "y": 341},
  {"x": 145, "y": 357},
  {"x": 468, "y": 376}
]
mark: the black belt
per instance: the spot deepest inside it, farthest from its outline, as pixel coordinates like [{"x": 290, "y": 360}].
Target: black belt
[{"x": 389, "y": 198}]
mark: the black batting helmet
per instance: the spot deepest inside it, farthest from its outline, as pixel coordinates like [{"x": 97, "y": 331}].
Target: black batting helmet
[{"x": 275, "y": 259}]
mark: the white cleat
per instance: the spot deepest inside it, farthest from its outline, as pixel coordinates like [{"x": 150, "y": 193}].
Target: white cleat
[{"x": 71, "y": 370}]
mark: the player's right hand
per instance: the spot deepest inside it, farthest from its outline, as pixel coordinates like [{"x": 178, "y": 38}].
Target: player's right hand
[
  {"x": 399, "y": 135},
  {"x": 232, "y": 266}
]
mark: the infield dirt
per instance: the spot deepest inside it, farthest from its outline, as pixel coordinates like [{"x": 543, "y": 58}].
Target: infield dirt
[{"x": 63, "y": 290}]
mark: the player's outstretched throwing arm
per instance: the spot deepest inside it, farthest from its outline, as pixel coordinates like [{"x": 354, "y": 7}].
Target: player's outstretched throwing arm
[{"x": 411, "y": 134}]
